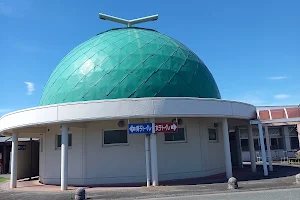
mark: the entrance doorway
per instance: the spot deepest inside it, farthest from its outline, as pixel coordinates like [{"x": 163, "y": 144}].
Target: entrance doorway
[
  {"x": 28, "y": 158},
  {"x": 234, "y": 149}
]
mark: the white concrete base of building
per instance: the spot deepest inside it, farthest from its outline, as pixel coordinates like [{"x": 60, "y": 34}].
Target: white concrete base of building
[{"x": 89, "y": 160}]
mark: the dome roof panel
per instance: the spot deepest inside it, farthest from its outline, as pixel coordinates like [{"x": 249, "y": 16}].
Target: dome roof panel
[{"x": 129, "y": 63}]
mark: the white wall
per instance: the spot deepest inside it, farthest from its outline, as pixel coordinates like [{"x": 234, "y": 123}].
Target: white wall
[
  {"x": 114, "y": 164},
  {"x": 213, "y": 152},
  {"x": 194, "y": 158},
  {"x": 91, "y": 163},
  {"x": 52, "y": 157}
]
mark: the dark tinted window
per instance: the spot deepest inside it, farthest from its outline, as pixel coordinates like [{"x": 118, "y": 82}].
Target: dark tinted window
[
  {"x": 115, "y": 137},
  {"x": 69, "y": 140},
  {"x": 244, "y": 144},
  {"x": 256, "y": 146},
  {"x": 179, "y": 136},
  {"x": 212, "y": 134},
  {"x": 294, "y": 143},
  {"x": 276, "y": 143}
]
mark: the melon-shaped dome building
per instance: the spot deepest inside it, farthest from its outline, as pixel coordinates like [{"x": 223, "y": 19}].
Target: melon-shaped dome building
[
  {"x": 129, "y": 63},
  {"x": 129, "y": 106}
]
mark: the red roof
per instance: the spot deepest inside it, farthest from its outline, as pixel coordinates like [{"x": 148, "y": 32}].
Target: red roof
[{"x": 281, "y": 113}]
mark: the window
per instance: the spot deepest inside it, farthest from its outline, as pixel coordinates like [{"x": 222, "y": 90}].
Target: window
[
  {"x": 212, "y": 135},
  {"x": 294, "y": 142},
  {"x": 176, "y": 137},
  {"x": 293, "y": 137},
  {"x": 58, "y": 140},
  {"x": 115, "y": 137},
  {"x": 276, "y": 143},
  {"x": 256, "y": 144},
  {"x": 244, "y": 144}
]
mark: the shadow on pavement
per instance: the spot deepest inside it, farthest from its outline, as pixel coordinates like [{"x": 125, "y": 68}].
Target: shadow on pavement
[
  {"x": 279, "y": 171},
  {"x": 242, "y": 174}
]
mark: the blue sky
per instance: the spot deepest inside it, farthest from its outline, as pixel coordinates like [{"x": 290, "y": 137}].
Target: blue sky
[{"x": 251, "y": 47}]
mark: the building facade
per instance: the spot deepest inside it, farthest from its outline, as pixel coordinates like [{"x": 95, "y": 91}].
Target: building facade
[
  {"x": 129, "y": 76},
  {"x": 283, "y": 129},
  {"x": 282, "y": 138}
]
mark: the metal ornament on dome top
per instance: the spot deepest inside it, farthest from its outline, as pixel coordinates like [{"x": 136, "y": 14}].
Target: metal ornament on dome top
[{"x": 126, "y": 22}]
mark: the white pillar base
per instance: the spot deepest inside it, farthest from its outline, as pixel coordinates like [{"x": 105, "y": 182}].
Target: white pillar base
[
  {"x": 64, "y": 157},
  {"x": 153, "y": 152},
  {"x": 268, "y": 148},
  {"x": 251, "y": 148},
  {"x": 14, "y": 161},
  {"x": 263, "y": 151},
  {"x": 148, "y": 161},
  {"x": 228, "y": 163}
]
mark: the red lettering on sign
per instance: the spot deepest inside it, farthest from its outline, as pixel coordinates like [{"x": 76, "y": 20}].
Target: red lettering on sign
[{"x": 166, "y": 127}]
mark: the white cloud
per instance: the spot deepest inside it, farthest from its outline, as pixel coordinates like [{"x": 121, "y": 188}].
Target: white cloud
[
  {"x": 281, "y": 96},
  {"x": 30, "y": 87},
  {"x": 251, "y": 97},
  {"x": 254, "y": 101},
  {"x": 277, "y": 77}
]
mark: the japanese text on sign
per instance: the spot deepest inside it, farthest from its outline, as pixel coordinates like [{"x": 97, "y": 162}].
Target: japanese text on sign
[
  {"x": 166, "y": 127},
  {"x": 140, "y": 128}
]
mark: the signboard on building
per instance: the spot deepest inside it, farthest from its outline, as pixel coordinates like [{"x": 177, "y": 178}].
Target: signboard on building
[
  {"x": 148, "y": 128},
  {"x": 145, "y": 128},
  {"x": 166, "y": 127},
  {"x": 21, "y": 147}
]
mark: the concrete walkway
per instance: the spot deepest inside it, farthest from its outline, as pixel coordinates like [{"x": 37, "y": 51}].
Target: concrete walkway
[{"x": 283, "y": 177}]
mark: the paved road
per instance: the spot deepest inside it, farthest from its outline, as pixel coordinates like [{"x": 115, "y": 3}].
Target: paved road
[
  {"x": 279, "y": 194},
  {"x": 280, "y": 184},
  {"x": 275, "y": 194}
]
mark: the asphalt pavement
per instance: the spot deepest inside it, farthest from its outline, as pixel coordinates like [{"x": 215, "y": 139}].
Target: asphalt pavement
[
  {"x": 276, "y": 194},
  {"x": 280, "y": 184},
  {"x": 279, "y": 194}
]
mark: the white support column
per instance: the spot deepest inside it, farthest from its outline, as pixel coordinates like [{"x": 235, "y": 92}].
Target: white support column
[
  {"x": 148, "y": 161},
  {"x": 14, "y": 161},
  {"x": 228, "y": 164},
  {"x": 287, "y": 140},
  {"x": 268, "y": 149},
  {"x": 263, "y": 151},
  {"x": 153, "y": 154},
  {"x": 251, "y": 148},
  {"x": 64, "y": 158},
  {"x": 153, "y": 151}
]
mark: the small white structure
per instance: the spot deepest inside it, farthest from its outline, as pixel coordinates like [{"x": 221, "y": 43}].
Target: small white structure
[
  {"x": 281, "y": 134},
  {"x": 128, "y": 76}
]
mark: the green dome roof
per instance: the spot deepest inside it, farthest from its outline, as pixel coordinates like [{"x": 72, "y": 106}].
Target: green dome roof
[{"x": 129, "y": 63}]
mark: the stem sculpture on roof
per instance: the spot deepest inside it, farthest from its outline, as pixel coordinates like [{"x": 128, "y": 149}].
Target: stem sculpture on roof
[{"x": 128, "y": 23}]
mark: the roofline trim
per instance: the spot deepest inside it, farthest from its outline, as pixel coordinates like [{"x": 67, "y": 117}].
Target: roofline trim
[{"x": 126, "y": 109}]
